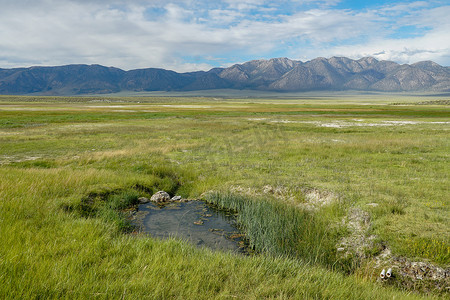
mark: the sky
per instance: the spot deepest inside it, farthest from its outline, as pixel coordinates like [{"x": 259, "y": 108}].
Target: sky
[{"x": 191, "y": 35}]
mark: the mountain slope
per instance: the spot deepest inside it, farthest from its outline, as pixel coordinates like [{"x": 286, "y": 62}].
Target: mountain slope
[
  {"x": 72, "y": 79},
  {"x": 277, "y": 74}
]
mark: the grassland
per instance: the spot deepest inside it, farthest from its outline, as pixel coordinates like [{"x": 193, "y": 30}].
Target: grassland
[{"x": 260, "y": 157}]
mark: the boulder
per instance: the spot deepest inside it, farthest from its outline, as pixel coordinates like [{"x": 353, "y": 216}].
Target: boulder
[{"x": 160, "y": 196}]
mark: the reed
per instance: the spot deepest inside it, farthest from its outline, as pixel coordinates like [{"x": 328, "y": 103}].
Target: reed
[{"x": 279, "y": 229}]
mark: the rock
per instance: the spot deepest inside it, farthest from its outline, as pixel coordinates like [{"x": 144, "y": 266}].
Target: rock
[
  {"x": 160, "y": 196},
  {"x": 176, "y": 198},
  {"x": 143, "y": 200}
]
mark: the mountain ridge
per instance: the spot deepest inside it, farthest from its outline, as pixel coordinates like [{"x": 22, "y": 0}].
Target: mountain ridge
[{"x": 276, "y": 74}]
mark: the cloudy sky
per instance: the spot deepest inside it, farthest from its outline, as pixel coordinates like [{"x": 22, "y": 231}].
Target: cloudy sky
[{"x": 188, "y": 35}]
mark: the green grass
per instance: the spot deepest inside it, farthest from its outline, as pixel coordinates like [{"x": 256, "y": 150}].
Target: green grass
[
  {"x": 279, "y": 229},
  {"x": 49, "y": 253},
  {"x": 69, "y": 167}
]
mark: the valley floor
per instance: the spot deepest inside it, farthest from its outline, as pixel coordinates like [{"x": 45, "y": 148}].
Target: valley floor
[{"x": 330, "y": 192}]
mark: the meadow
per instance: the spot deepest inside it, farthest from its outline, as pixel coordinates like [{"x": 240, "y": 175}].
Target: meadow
[{"x": 329, "y": 190}]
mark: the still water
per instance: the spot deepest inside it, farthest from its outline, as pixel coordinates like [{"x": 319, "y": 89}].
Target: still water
[{"x": 195, "y": 221}]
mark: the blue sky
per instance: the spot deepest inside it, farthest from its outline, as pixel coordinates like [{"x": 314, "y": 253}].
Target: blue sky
[{"x": 189, "y": 35}]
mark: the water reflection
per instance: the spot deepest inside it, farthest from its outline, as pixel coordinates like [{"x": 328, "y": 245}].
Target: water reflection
[{"x": 195, "y": 221}]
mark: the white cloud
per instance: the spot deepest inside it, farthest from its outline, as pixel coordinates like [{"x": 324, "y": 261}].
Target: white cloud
[
  {"x": 433, "y": 45},
  {"x": 244, "y": 4},
  {"x": 430, "y": 47},
  {"x": 118, "y": 33}
]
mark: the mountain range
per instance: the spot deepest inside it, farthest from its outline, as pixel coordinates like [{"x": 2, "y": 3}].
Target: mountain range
[{"x": 277, "y": 74}]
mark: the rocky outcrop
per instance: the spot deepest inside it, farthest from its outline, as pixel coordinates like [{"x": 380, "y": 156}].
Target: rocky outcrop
[{"x": 415, "y": 275}]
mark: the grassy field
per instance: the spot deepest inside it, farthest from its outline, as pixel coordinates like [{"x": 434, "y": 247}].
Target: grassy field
[{"x": 322, "y": 186}]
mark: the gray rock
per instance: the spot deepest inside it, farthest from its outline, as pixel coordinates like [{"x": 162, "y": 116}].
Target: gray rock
[
  {"x": 160, "y": 196},
  {"x": 176, "y": 198},
  {"x": 143, "y": 200}
]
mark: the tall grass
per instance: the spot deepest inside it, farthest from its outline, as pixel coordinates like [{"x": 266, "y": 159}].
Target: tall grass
[
  {"x": 278, "y": 228},
  {"x": 111, "y": 211}
]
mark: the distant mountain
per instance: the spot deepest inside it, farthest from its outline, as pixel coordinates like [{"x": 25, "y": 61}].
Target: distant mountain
[{"x": 277, "y": 74}]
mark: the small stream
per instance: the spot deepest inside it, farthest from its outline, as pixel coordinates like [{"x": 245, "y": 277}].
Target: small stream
[{"x": 197, "y": 222}]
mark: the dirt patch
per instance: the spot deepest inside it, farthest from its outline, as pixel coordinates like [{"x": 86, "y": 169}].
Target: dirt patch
[
  {"x": 353, "y": 123},
  {"x": 431, "y": 102},
  {"x": 312, "y": 199},
  {"x": 316, "y": 198},
  {"x": 358, "y": 243},
  {"x": 186, "y": 106},
  {"x": 5, "y": 159}
]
